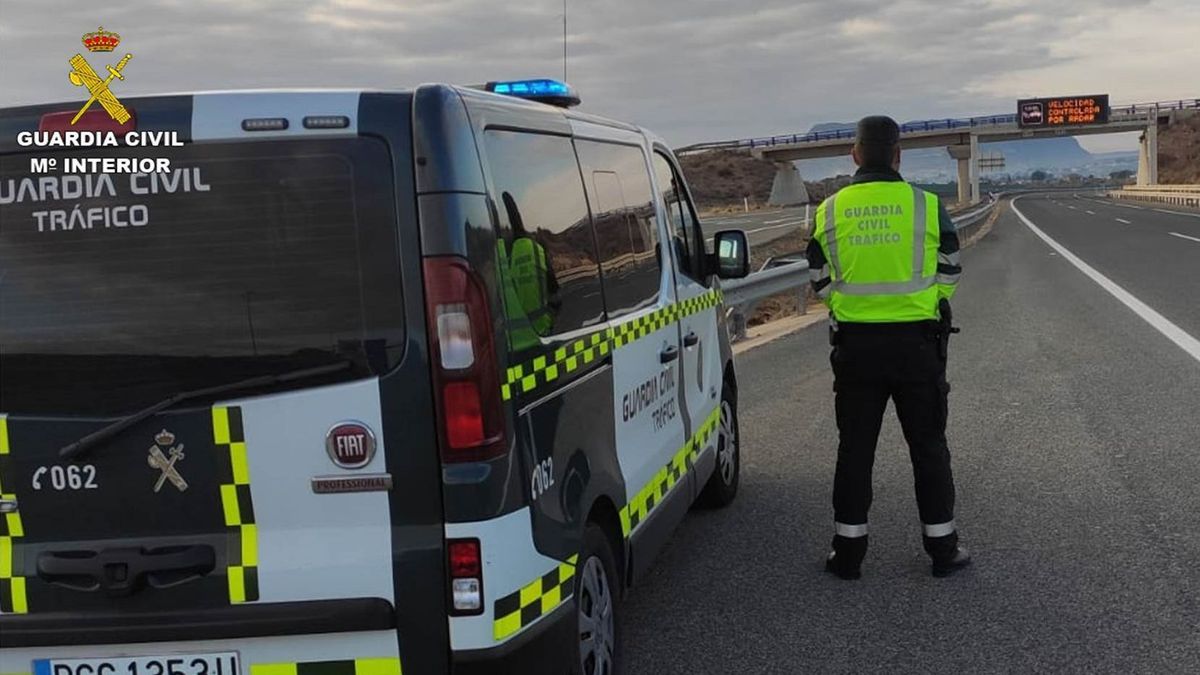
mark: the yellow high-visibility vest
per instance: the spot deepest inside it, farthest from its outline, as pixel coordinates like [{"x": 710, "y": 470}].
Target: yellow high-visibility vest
[
  {"x": 526, "y": 291},
  {"x": 881, "y": 243}
]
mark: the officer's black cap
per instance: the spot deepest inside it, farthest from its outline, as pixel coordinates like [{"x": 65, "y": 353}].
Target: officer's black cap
[{"x": 878, "y": 130}]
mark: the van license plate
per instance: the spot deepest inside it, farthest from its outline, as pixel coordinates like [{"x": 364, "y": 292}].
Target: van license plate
[{"x": 224, "y": 663}]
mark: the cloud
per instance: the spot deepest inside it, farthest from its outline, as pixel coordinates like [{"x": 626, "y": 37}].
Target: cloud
[
  {"x": 691, "y": 70},
  {"x": 860, "y": 27}
]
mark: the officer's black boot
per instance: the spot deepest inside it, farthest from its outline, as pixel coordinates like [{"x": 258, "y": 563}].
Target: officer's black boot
[
  {"x": 947, "y": 554},
  {"x": 845, "y": 560}
]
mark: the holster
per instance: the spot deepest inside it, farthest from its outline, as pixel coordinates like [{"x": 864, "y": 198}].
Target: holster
[{"x": 945, "y": 328}]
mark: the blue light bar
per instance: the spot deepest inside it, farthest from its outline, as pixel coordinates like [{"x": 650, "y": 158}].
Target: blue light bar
[{"x": 544, "y": 90}]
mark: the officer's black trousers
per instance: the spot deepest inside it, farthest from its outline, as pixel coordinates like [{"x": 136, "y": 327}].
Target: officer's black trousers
[{"x": 872, "y": 363}]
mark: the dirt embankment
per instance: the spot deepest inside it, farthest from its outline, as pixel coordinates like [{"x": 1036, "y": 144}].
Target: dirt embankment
[
  {"x": 1179, "y": 152},
  {"x": 721, "y": 179}
]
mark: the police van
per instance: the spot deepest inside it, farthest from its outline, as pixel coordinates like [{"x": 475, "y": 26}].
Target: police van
[{"x": 365, "y": 383}]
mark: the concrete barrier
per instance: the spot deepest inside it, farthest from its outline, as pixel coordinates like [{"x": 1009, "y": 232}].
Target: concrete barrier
[{"x": 1179, "y": 195}]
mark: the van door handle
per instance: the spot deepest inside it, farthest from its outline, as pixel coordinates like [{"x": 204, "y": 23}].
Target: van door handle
[
  {"x": 669, "y": 353},
  {"x": 691, "y": 339}
]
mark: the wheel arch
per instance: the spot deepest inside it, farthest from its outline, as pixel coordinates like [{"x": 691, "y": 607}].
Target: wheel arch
[{"x": 605, "y": 514}]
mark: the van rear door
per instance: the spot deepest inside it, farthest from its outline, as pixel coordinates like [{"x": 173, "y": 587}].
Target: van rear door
[{"x": 284, "y": 516}]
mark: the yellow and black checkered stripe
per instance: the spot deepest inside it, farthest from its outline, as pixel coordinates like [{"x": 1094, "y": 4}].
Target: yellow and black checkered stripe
[
  {"x": 378, "y": 666},
  {"x": 543, "y": 370},
  {"x": 12, "y": 587},
  {"x": 537, "y": 598},
  {"x": 668, "y": 477},
  {"x": 519, "y": 609},
  {"x": 229, "y": 438}
]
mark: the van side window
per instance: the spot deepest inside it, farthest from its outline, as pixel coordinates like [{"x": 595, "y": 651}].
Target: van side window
[
  {"x": 622, "y": 200},
  {"x": 686, "y": 236},
  {"x": 546, "y": 253}
]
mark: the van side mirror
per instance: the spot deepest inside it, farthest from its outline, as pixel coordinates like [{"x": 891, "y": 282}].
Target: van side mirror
[{"x": 731, "y": 257}]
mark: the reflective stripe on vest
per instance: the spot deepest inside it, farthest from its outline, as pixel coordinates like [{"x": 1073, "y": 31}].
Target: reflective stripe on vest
[
  {"x": 528, "y": 271},
  {"x": 869, "y": 281},
  {"x": 521, "y": 331}
]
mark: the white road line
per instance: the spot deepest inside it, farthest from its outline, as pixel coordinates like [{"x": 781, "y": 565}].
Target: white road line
[
  {"x": 1178, "y": 213},
  {"x": 790, "y": 223},
  {"x": 1072, "y": 208},
  {"x": 1122, "y": 220},
  {"x": 1091, "y": 212},
  {"x": 1160, "y": 323},
  {"x": 1183, "y": 236}
]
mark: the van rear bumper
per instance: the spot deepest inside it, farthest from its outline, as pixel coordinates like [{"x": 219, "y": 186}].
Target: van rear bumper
[
  {"x": 543, "y": 648},
  {"x": 220, "y": 623}
]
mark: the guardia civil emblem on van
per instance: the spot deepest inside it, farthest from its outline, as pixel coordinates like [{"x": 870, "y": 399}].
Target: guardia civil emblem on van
[
  {"x": 83, "y": 75},
  {"x": 164, "y": 455}
]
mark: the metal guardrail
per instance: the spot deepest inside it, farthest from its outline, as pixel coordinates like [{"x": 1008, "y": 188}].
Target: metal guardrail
[
  {"x": 788, "y": 273},
  {"x": 1162, "y": 188},
  {"x": 923, "y": 125},
  {"x": 1179, "y": 195}
]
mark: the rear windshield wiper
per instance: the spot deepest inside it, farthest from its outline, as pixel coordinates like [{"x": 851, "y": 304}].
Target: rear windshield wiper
[{"x": 83, "y": 445}]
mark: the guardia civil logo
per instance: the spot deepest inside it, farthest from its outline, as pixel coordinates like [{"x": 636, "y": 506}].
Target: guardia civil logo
[{"x": 83, "y": 75}]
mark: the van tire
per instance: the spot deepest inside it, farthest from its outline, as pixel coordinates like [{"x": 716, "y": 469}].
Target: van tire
[
  {"x": 597, "y": 586},
  {"x": 722, "y": 485}
]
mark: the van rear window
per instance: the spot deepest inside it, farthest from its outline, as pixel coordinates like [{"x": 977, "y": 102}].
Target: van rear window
[{"x": 248, "y": 259}]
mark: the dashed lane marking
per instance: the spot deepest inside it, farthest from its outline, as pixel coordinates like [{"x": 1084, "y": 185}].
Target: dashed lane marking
[
  {"x": 1092, "y": 213},
  {"x": 1122, "y": 220},
  {"x": 1113, "y": 202},
  {"x": 1183, "y": 236},
  {"x": 1159, "y": 322},
  {"x": 1179, "y": 213}
]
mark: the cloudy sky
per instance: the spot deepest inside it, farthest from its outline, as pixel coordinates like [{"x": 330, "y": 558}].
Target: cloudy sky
[{"x": 692, "y": 70}]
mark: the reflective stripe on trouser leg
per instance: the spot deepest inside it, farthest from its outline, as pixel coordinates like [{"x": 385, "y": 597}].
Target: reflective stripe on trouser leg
[
  {"x": 940, "y": 529},
  {"x": 851, "y": 531}
]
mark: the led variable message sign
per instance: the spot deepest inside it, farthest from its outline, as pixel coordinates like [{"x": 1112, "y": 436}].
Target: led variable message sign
[{"x": 1062, "y": 111}]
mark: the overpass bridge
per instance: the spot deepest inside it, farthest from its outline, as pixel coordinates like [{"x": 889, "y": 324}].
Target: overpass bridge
[{"x": 961, "y": 138}]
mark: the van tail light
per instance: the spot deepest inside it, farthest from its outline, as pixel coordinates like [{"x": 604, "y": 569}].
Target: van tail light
[
  {"x": 465, "y": 375},
  {"x": 466, "y": 576}
]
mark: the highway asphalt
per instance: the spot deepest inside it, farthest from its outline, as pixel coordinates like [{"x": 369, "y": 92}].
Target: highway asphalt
[
  {"x": 760, "y": 226},
  {"x": 1075, "y": 430}
]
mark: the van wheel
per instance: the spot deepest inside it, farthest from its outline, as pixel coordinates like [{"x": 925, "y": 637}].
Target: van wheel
[
  {"x": 597, "y": 599},
  {"x": 722, "y": 485}
]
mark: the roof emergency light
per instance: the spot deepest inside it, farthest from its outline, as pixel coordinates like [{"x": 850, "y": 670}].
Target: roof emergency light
[{"x": 544, "y": 90}]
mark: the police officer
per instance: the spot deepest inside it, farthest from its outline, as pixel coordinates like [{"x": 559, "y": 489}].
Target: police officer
[
  {"x": 884, "y": 258},
  {"x": 530, "y": 286}
]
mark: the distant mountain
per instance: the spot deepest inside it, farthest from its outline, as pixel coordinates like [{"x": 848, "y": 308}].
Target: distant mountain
[{"x": 833, "y": 126}]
